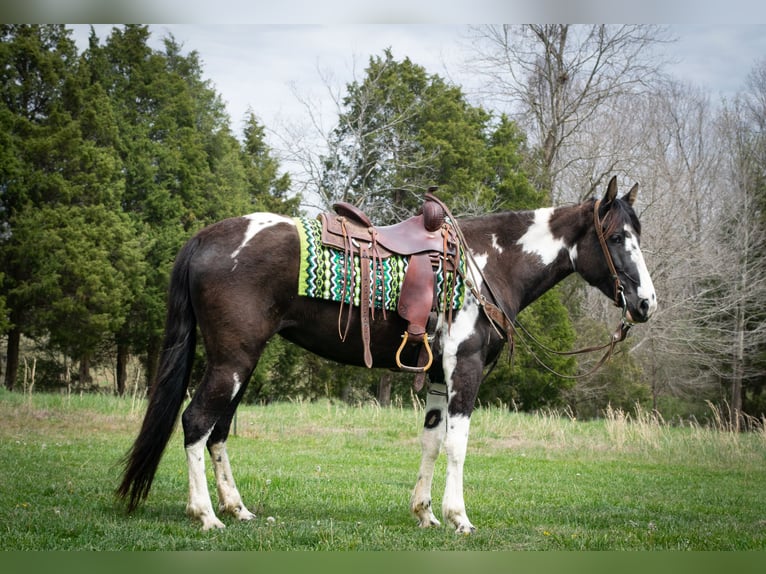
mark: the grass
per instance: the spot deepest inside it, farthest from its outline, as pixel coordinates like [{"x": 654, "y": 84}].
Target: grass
[{"x": 325, "y": 476}]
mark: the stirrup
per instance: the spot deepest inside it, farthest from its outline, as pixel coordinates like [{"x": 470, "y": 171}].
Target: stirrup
[{"x": 407, "y": 368}]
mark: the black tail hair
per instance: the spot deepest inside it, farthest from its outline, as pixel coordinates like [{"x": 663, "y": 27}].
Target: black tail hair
[{"x": 167, "y": 393}]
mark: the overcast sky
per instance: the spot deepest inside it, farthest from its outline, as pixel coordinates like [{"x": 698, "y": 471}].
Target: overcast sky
[{"x": 263, "y": 67}]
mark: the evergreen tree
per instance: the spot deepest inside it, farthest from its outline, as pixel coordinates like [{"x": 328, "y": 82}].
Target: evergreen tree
[
  {"x": 41, "y": 148},
  {"x": 269, "y": 190}
]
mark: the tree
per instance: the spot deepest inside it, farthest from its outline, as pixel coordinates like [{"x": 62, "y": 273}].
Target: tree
[
  {"x": 110, "y": 161},
  {"x": 558, "y": 78},
  {"x": 270, "y": 190},
  {"x": 734, "y": 303},
  {"x": 41, "y": 148},
  {"x": 83, "y": 262}
]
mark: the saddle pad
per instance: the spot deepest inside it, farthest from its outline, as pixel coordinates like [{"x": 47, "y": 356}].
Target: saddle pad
[{"x": 322, "y": 272}]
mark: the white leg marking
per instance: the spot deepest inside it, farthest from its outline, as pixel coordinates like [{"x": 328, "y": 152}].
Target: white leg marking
[
  {"x": 538, "y": 240},
  {"x": 430, "y": 443},
  {"x": 645, "y": 286},
  {"x": 456, "y": 439},
  {"x": 229, "y": 499},
  {"x": 436, "y": 430},
  {"x": 199, "y": 505},
  {"x": 455, "y": 445},
  {"x": 258, "y": 222}
]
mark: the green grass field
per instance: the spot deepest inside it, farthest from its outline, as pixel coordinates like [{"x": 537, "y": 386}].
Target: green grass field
[{"x": 328, "y": 476}]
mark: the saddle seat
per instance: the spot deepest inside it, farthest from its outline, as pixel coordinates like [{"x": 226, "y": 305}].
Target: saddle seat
[
  {"x": 418, "y": 234},
  {"x": 429, "y": 242}
]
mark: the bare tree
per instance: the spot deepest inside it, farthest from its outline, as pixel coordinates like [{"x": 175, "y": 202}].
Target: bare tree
[
  {"x": 736, "y": 306},
  {"x": 558, "y": 78}
]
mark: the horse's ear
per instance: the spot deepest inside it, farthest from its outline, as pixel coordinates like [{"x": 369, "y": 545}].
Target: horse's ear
[
  {"x": 630, "y": 197},
  {"x": 611, "y": 191}
]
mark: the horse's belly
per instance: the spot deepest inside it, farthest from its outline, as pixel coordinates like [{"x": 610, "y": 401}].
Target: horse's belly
[{"x": 317, "y": 326}]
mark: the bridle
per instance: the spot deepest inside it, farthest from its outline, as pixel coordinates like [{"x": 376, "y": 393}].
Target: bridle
[{"x": 619, "y": 290}]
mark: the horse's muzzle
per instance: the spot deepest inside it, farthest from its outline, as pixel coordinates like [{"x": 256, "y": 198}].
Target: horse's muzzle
[{"x": 640, "y": 313}]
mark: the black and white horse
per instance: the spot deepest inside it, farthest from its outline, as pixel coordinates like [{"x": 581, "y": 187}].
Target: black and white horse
[{"x": 237, "y": 280}]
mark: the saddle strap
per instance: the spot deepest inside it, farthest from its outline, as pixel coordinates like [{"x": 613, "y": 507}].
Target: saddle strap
[
  {"x": 348, "y": 282},
  {"x": 364, "y": 256}
]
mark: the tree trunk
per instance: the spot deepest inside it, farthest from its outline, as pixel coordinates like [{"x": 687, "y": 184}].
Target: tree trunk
[
  {"x": 738, "y": 371},
  {"x": 84, "y": 373},
  {"x": 12, "y": 358},
  {"x": 122, "y": 368},
  {"x": 384, "y": 389}
]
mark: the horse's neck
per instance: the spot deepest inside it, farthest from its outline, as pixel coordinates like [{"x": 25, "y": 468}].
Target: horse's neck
[{"x": 524, "y": 259}]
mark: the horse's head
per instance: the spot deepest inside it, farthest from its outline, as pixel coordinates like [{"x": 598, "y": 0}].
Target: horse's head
[{"x": 610, "y": 257}]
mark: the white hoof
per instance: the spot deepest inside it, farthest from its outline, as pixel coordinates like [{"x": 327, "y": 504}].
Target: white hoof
[
  {"x": 208, "y": 523},
  {"x": 425, "y": 517}
]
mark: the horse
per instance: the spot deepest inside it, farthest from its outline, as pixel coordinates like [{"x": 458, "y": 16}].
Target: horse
[{"x": 236, "y": 280}]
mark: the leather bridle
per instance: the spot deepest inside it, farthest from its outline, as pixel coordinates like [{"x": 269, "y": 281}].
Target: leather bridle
[{"x": 619, "y": 291}]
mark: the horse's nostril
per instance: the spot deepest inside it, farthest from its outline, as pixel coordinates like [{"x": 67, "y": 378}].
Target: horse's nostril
[{"x": 644, "y": 306}]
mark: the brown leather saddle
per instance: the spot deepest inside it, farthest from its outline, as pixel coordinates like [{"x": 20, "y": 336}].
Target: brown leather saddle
[{"x": 429, "y": 242}]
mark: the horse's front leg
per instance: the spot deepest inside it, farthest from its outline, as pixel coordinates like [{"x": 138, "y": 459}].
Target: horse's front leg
[
  {"x": 434, "y": 431},
  {"x": 455, "y": 446},
  {"x": 463, "y": 362}
]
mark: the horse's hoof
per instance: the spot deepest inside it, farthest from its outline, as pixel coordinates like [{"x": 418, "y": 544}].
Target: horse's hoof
[
  {"x": 245, "y": 515},
  {"x": 428, "y": 522},
  {"x": 240, "y": 512},
  {"x": 212, "y": 523},
  {"x": 465, "y": 529}
]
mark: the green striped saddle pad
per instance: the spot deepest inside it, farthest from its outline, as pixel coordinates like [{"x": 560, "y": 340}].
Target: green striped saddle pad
[{"x": 322, "y": 272}]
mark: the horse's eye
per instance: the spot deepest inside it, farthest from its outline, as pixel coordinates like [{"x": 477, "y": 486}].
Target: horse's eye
[{"x": 617, "y": 238}]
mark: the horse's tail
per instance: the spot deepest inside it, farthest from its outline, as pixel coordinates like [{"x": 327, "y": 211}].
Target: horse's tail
[{"x": 169, "y": 389}]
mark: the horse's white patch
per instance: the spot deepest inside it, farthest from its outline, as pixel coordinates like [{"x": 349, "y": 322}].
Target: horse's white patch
[
  {"x": 462, "y": 328},
  {"x": 455, "y": 446},
  {"x": 495, "y": 244},
  {"x": 229, "y": 499},
  {"x": 573, "y": 256},
  {"x": 237, "y": 386},
  {"x": 199, "y": 505},
  {"x": 257, "y": 223},
  {"x": 645, "y": 285},
  {"x": 538, "y": 240},
  {"x": 464, "y": 324}
]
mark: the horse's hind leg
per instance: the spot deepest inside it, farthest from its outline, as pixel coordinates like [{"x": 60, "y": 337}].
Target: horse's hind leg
[
  {"x": 206, "y": 423},
  {"x": 229, "y": 499}
]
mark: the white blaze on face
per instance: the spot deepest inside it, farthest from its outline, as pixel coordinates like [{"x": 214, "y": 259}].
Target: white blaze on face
[
  {"x": 645, "y": 286},
  {"x": 257, "y": 222},
  {"x": 538, "y": 239}
]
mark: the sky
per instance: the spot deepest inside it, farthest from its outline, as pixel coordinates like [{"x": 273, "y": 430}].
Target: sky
[{"x": 268, "y": 68}]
